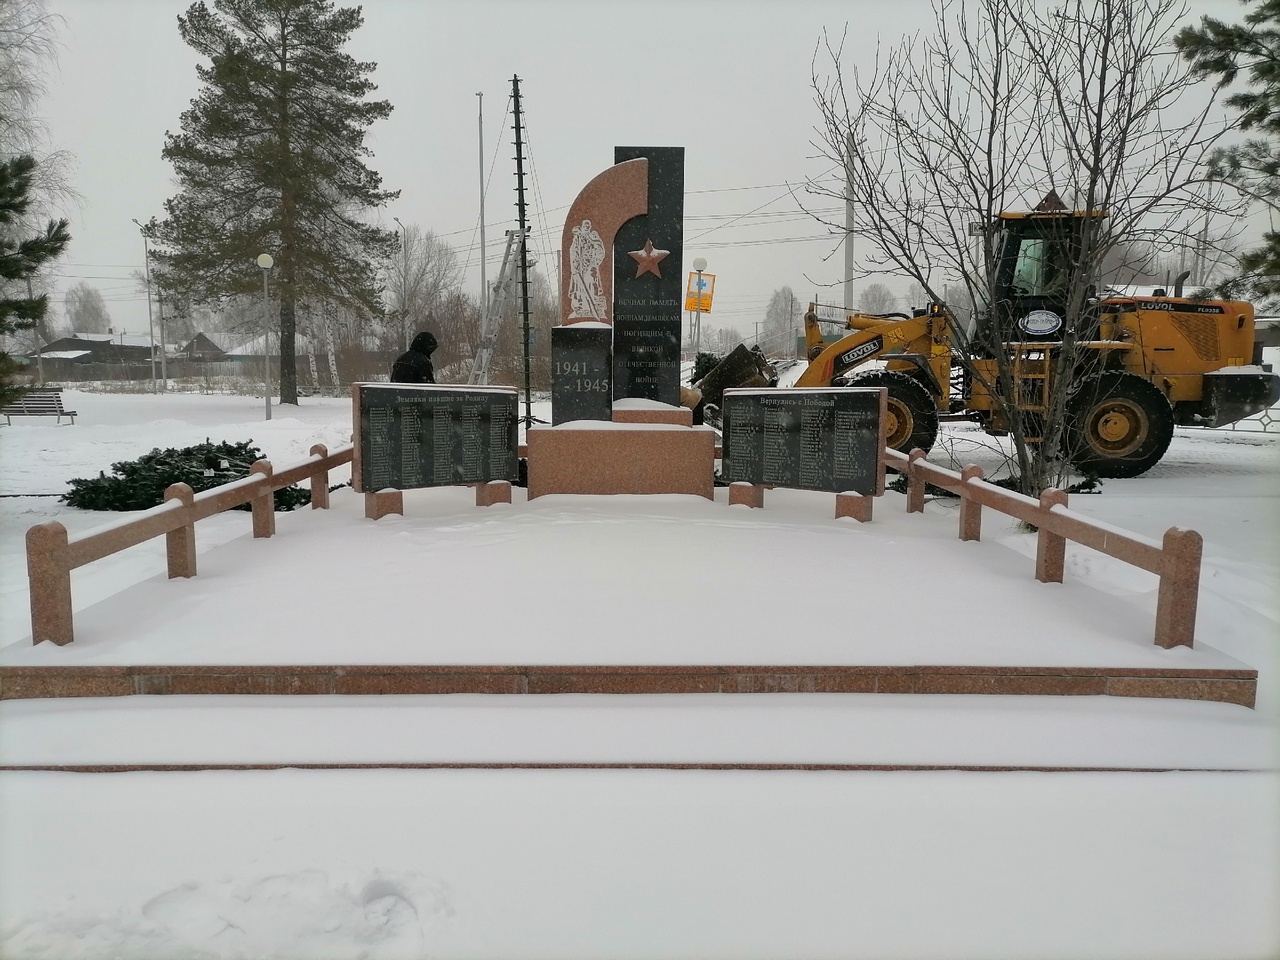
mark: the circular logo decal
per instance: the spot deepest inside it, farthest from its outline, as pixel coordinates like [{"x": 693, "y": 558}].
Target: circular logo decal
[{"x": 1040, "y": 322}]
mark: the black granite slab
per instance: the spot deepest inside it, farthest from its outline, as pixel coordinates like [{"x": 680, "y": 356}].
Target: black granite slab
[
  {"x": 581, "y": 373},
  {"x": 433, "y": 436},
  {"x": 821, "y": 439},
  {"x": 647, "y": 304}
]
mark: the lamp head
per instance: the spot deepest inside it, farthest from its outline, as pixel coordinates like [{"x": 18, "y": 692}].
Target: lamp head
[
  {"x": 699, "y": 264},
  {"x": 265, "y": 261}
]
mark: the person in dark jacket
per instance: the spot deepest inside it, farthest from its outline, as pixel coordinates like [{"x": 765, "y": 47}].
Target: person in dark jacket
[{"x": 414, "y": 366}]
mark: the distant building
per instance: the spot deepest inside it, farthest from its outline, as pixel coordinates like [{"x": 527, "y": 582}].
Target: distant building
[
  {"x": 203, "y": 348},
  {"x": 98, "y": 348}
]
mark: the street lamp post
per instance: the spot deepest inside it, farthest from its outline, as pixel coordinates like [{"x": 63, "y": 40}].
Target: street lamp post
[
  {"x": 266, "y": 263},
  {"x": 699, "y": 264},
  {"x": 151, "y": 328}
]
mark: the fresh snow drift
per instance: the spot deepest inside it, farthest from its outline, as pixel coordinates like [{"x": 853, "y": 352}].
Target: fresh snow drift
[{"x": 578, "y": 863}]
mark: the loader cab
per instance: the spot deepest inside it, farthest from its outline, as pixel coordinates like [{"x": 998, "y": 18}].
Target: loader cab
[{"x": 1036, "y": 259}]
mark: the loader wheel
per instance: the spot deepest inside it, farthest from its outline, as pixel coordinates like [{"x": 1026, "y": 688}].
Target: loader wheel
[
  {"x": 1118, "y": 425},
  {"x": 912, "y": 416}
]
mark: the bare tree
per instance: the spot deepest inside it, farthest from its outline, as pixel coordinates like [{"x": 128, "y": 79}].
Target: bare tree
[
  {"x": 876, "y": 298},
  {"x": 28, "y": 47},
  {"x": 85, "y": 309},
  {"x": 420, "y": 278},
  {"x": 456, "y": 324},
  {"x": 1008, "y": 102},
  {"x": 781, "y": 323},
  {"x": 725, "y": 339}
]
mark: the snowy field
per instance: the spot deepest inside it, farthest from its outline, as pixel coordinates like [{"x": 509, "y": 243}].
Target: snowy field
[{"x": 637, "y": 863}]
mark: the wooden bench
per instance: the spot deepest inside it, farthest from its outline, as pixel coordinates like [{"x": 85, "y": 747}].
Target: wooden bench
[{"x": 38, "y": 403}]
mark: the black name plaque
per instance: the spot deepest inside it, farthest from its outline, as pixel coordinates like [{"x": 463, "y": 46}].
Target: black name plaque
[
  {"x": 434, "y": 436},
  {"x": 806, "y": 439}
]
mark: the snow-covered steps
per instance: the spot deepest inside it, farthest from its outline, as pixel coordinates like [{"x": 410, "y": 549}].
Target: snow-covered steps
[{"x": 752, "y": 730}]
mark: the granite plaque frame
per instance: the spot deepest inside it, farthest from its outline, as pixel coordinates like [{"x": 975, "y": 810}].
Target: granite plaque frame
[
  {"x": 648, "y": 288},
  {"x": 581, "y": 372},
  {"x": 827, "y": 439},
  {"x": 433, "y": 435}
]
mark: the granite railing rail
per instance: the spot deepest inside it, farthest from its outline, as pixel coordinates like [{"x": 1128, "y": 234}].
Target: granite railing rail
[
  {"x": 52, "y": 554},
  {"x": 1176, "y": 560}
]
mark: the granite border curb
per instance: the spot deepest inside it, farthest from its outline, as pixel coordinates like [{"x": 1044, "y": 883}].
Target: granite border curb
[{"x": 28, "y": 682}]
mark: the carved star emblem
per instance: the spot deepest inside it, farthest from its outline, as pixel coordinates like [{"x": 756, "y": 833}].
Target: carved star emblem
[{"x": 647, "y": 260}]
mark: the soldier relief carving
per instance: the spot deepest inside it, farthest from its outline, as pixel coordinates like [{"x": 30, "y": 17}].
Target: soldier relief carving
[{"x": 586, "y": 254}]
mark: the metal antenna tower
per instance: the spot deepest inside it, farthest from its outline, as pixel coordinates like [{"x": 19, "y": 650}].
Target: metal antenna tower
[{"x": 524, "y": 258}]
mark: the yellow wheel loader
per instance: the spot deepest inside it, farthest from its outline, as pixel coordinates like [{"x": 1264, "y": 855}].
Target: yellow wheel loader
[{"x": 1145, "y": 363}]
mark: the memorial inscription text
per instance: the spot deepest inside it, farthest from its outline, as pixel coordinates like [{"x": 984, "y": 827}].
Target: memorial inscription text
[
  {"x": 436, "y": 436},
  {"x": 804, "y": 439}
]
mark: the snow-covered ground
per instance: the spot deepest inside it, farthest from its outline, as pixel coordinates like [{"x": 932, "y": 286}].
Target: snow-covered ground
[{"x": 521, "y": 862}]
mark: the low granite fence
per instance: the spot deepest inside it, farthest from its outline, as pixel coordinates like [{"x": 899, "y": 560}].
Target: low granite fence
[
  {"x": 1176, "y": 561},
  {"x": 52, "y": 554}
]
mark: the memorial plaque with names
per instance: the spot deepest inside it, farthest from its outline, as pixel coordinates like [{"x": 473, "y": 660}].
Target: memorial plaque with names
[
  {"x": 648, "y": 283},
  {"x": 581, "y": 372},
  {"x": 432, "y": 435},
  {"x": 806, "y": 439}
]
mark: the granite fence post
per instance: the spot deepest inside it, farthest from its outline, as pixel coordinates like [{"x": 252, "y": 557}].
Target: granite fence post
[
  {"x": 915, "y": 483},
  {"x": 383, "y": 503},
  {"x": 320, "y": 479},
  {"x": 180, "y": 544},
  {"x": 970, "y": 509},
  {"x": 854, "y": 505},
  {"x": 264, "y": 504},
  {"x": 1051, "y": 549},
  {"x": 49, "y": 575},
  {"x": 747, "y": 494},
  {"x": 495, "y": 491},
  {"x": 1179, "y": 593}
]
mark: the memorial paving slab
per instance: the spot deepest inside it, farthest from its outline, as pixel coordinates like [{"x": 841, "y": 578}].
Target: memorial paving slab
[{"x": 460, "y": 593}]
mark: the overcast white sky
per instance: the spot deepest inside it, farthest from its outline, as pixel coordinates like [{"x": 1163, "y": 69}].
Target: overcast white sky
[{"x": 729, "y": 81}]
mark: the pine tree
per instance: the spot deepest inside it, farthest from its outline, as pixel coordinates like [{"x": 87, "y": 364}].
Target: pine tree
[
  {"x": 1226, "y": 50},
  {"x": 270, "y": 159},
  {"x": 19, "y": 260}
]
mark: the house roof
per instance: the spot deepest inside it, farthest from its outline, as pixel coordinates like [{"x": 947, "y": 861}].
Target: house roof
[
  {"x": 301, "y": 346},
  {"x": 119, "y": 339}
]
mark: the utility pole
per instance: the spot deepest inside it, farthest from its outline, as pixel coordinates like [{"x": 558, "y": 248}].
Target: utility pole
[
  {"x": 164, "y": 367},
  {"x": 151, "y": 327},
  {"x": 524, "y": 243},
  {"x": 404, "y": 281},
  {"x": 791, "y": 320},
  {"x": 484, "y": 286}
]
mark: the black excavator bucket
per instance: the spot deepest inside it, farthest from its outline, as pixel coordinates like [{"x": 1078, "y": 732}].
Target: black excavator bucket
[{"x": 743, "y": 367}]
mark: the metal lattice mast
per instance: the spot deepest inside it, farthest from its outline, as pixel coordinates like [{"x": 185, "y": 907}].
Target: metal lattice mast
[
  {"x": 494, "y": 312},
  {"x": 524, "y": 258}
]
